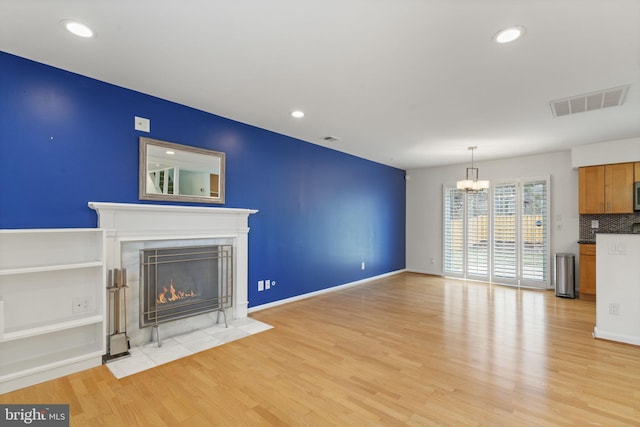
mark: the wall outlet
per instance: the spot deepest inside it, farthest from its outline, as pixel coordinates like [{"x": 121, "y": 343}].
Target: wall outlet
[
  {"x": 614, "y": 309},
  {"x": 80, "y": 305},
  {"x": 264, "y": 285},
  {"x": 617, "y": 248},
  {"x": 595, "y": 223}
]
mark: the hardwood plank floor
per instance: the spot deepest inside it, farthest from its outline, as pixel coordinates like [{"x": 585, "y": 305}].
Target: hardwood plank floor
[{"x": 406, "y": 350}]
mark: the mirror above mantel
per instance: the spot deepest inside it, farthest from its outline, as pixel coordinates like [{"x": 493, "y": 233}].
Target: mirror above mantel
[{"x": 180, "y": 173}]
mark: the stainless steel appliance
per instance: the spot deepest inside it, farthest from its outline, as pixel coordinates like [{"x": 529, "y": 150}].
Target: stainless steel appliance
[{"x": 636, "y": 196}]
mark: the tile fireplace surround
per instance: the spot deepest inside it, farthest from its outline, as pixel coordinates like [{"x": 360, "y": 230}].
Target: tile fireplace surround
[{"x": 130, "y": 227}]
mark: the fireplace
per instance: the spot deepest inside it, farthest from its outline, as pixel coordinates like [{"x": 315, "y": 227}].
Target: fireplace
[
  {"x": 179, "y": 282},
  {"x": 133, "y": 229}
]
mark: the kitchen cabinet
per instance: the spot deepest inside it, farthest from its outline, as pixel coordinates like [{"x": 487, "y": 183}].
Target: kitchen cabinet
[
  {"x": 636, "y": 171},
  {"x": 588, "y": 271},
  {"x": 618, "y": 189},
  {"x": 591, "y": 189},
  {"x": 606, "y": 189}
]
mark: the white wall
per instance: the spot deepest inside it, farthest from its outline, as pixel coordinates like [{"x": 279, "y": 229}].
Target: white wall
[
  {"x": 604, "y": 153},
  {"x": 424, "y": 204},
  {"x": 618, "y": 284}
]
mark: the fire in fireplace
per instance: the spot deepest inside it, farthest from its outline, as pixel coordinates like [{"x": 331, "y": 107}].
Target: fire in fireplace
[
  {"x": 180, "y": 282},
  {"x": 167, "y": 296}
]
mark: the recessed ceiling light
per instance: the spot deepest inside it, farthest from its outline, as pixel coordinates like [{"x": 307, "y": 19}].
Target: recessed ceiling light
[
  {"x": 297, "y": 114},
  {"x": 509, "y": 34},
  {"x": 78, "y": 28},
  {"x": 171, "y": 153}
]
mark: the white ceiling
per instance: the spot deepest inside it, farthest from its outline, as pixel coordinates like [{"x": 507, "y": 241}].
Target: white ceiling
[{"x": 408, "y": 83}]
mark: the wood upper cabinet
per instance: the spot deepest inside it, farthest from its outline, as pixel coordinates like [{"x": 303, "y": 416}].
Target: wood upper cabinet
[
  {"x": 591, "y": 190},
  {"x": 618, "y": 189},
  {"x": 636, "y": 173},
  {"x": 606, "y": 189}
]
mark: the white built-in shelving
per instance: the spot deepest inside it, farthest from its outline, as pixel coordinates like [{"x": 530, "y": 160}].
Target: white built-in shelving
[{"x": 52, "y": 304}]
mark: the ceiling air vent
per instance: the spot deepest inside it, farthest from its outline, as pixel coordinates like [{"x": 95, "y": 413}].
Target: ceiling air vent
[
  {"x": 589, "y": 101},
  {"x": 330, "y": 138}
]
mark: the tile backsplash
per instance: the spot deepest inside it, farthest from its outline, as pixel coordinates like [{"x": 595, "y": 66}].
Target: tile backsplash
[{"x": 618, "y": 223}]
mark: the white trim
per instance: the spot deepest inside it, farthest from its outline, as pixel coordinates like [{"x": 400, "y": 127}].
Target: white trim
[
  {"x": 22, "y": 379},
  {"x": 615, "y": 337},
  {"x": 324, "y": 291},
  {"x": 131, "y": 222},
  {"x": 151, "y": 208},
  {"x": 429, "y": 273}
]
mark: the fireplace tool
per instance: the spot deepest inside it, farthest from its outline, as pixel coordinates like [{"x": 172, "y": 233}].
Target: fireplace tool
[{"x": 118, "y": 342}]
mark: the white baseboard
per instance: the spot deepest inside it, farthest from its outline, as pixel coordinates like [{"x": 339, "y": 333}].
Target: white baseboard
[
  {"x": 29, "y": 377},
  {"x": 429, "y": 273},
  {"x": 612, "y": 336},
  {"x": 323, "y": 291},
  {"x": 439, "y": 274}
]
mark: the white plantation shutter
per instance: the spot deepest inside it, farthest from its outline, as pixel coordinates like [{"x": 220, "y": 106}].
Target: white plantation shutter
[
  {"x": 535, "y": 232},
  {"x": 477, "y": 234},
  {"x": 501, "y": 234},
  {"x": 453, "y": 257},
  {"x": 505, "y": 233}
]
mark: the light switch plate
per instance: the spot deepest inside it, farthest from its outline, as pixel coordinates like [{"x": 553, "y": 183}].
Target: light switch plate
[
  {"x": 595, "y": 223},
  {"x": 142, "y": 124}
]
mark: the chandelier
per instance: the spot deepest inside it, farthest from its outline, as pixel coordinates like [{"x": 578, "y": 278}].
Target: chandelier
[{"x": 472, "y": 183}]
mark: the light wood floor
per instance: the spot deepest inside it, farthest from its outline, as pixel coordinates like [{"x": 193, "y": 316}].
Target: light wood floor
[{"x": 407, "y": 350}]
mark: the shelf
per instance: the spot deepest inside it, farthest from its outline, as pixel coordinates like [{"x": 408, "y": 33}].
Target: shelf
[
  {"x": 24, "y": 250},
  {"x": 48, "y": 268},
  {"x": 52, "y": 304},
  {"x": 47, "y": 329}
]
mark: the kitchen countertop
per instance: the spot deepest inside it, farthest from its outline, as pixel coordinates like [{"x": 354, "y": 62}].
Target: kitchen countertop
[{"x": 593, "y": 241}]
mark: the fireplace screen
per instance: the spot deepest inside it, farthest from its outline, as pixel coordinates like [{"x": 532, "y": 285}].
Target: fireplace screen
[{"x": 184, "y": 281}]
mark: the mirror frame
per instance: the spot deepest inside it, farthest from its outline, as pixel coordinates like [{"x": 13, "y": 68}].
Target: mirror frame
[{"x": 143, "y": 171}]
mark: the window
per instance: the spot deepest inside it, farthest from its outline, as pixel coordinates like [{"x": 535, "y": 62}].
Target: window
[
  {"x": 505, "y": 232},
  {"x": 535, "y": 233},
  {"x": 500, "y": 234},
  {"x": 454, "y": 231},
  {"x": 477, "y": 235}
]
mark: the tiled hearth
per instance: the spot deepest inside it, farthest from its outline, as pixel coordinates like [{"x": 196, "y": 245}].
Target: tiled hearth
[{"x": 150, "y": 355}]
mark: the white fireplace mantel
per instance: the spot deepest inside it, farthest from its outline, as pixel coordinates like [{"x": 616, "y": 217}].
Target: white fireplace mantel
[{"x": 128, "y": 222}]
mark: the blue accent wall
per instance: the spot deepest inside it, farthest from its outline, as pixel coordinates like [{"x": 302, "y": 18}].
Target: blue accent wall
[{"x": 66, "y": 140}]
